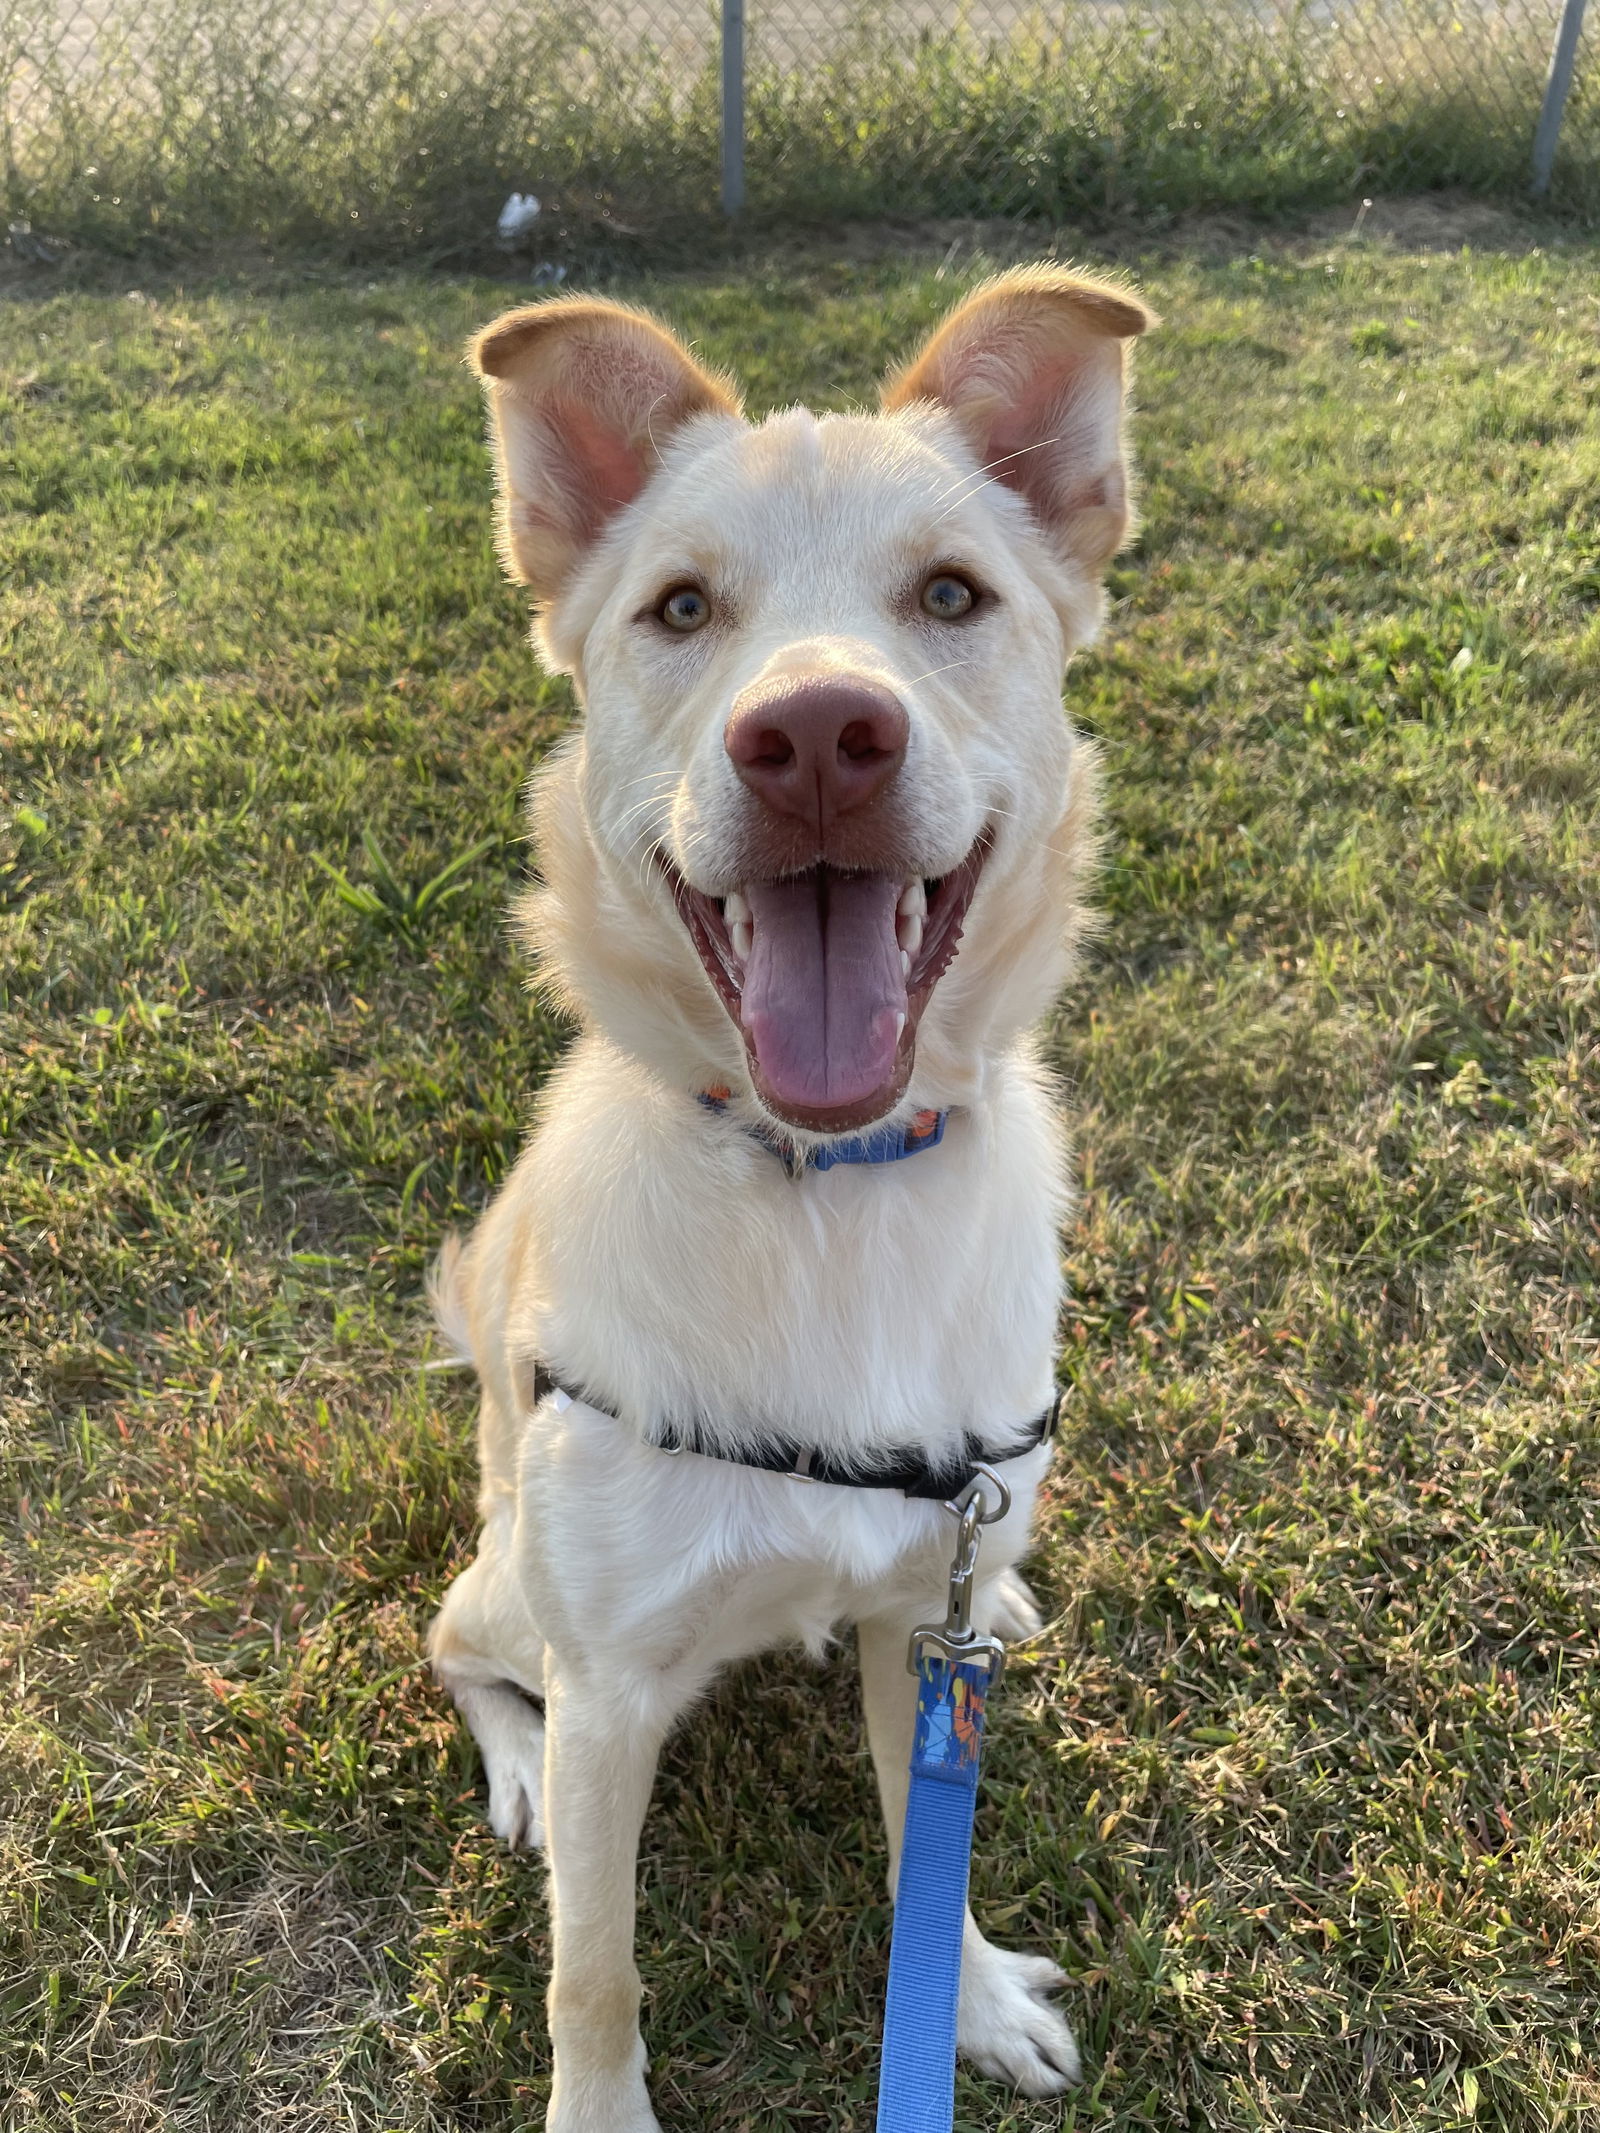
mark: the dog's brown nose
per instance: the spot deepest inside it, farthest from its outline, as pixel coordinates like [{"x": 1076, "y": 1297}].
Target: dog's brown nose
[{"x": 817, "y": 745}]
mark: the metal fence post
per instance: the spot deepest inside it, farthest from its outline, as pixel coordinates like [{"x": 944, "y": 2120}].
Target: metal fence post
[
  {"x": 1563, "y": 57},
  {"x": 733, "y": 105}
]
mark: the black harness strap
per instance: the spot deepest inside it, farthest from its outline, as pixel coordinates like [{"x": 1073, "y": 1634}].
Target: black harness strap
[{"x": 910, "y": 1472}]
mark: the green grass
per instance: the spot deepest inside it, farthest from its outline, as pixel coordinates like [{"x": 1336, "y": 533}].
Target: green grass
[
  {"x": 1300, "y": 1784},
  {"x": 184, "y": 122}
]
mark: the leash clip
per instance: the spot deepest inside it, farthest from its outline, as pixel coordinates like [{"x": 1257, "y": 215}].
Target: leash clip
[
  {"x": 983, "y": 1477},
  {"x": 954, "y": 1639}
]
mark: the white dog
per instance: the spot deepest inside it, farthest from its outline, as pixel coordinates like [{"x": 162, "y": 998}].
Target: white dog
[{"x": 824, "y": 749}]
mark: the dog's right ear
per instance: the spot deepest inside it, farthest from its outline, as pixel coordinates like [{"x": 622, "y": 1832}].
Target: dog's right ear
[{"x": 583, "y": 394}]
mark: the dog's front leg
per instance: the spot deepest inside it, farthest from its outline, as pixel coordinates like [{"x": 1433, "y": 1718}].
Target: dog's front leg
[
  {"x": 600, "y": 1757},
  {"x": 1006, "y": 2023}
]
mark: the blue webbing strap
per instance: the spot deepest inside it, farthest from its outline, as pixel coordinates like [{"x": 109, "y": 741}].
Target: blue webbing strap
[
  {"x": 917, "y": 2090},
  {"x": 884, "y": 1144}
]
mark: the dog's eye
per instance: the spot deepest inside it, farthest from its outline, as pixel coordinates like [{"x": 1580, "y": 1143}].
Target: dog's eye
[
  {"x": 685, "y": 608},
  {"x": 947, "y": 597}
]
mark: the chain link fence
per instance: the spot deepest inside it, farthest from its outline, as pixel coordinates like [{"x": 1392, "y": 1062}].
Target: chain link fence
[{"x": 402, "y": 125}]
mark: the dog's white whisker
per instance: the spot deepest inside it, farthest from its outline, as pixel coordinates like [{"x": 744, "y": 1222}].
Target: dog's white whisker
[
  {"x": 666, "y": 779},
  {"x": 952, "y": 666},
  {"x": 1009, "y": 814},
  {"x": 654, "y": 793},
  {"x": 977, "y": 481},
  {"x": 647, "y": 805}
]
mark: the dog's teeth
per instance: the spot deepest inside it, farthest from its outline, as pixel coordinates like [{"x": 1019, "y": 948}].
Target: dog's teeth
[
  {"x": 899, "y": 1028},
  {"x": 913, "y": 901},
  {"x": 905, "y": 964},
  {"x": 736, "y": 917},
  {"x": 909, "y": 933}
]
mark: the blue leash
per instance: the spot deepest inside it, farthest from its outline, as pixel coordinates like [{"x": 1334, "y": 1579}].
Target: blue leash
[{"x": 955, "y": 1671}]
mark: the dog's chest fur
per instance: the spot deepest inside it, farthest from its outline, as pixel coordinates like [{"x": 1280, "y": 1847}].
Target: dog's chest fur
[
  {"x": 676, "y": 1270},
  {"x": 679, "y": 1272}
]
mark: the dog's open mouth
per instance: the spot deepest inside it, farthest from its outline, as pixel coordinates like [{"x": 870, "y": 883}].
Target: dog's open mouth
[{"x": 826, "y": 975}]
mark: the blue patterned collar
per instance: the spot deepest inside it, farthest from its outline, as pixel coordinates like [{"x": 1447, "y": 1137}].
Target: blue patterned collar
[{"x": 884, "y": 1144}]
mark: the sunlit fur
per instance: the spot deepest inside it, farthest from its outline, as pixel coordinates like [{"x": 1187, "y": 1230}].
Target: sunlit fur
[{"x": 657, "y": 1253}]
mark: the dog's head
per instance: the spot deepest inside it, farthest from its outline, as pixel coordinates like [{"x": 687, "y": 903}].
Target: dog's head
[{"x": 821, "y": 663}]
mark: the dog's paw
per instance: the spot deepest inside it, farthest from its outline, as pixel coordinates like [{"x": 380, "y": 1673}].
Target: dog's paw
[
  {"x": 1008, "y": 2027},
  {"x": 516, "y": 1806},
  {"x": 1012, "y": 1609},
  {"x": 600, "y": 2105},
  {"x": 509, "y": 1731}
]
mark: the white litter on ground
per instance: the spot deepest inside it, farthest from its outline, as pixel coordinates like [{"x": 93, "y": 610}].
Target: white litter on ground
[{"x": 517, "y": 217}]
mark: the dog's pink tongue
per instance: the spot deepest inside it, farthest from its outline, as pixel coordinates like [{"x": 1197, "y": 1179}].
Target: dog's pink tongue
[{"x": 823, "y": 990}]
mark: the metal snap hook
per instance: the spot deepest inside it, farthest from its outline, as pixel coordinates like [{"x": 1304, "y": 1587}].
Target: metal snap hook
[
  {"x": 983, "y": 1477},
  {"x": 955, "y": 1639}
]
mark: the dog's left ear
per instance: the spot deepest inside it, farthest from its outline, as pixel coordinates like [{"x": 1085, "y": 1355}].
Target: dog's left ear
[
  {"x": 1034, "y": 367},
  {"x": 583, "y": 395}
]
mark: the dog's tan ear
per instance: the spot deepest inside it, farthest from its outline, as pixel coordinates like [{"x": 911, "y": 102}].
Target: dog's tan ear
[
  {"x": 1034, "y": 367},
  {"x": 583, "y": 394}
]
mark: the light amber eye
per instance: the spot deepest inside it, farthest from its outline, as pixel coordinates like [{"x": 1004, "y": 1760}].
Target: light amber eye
[
  {"x": 685, "y": 608},
  {"x": 947, "y": 598}
]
